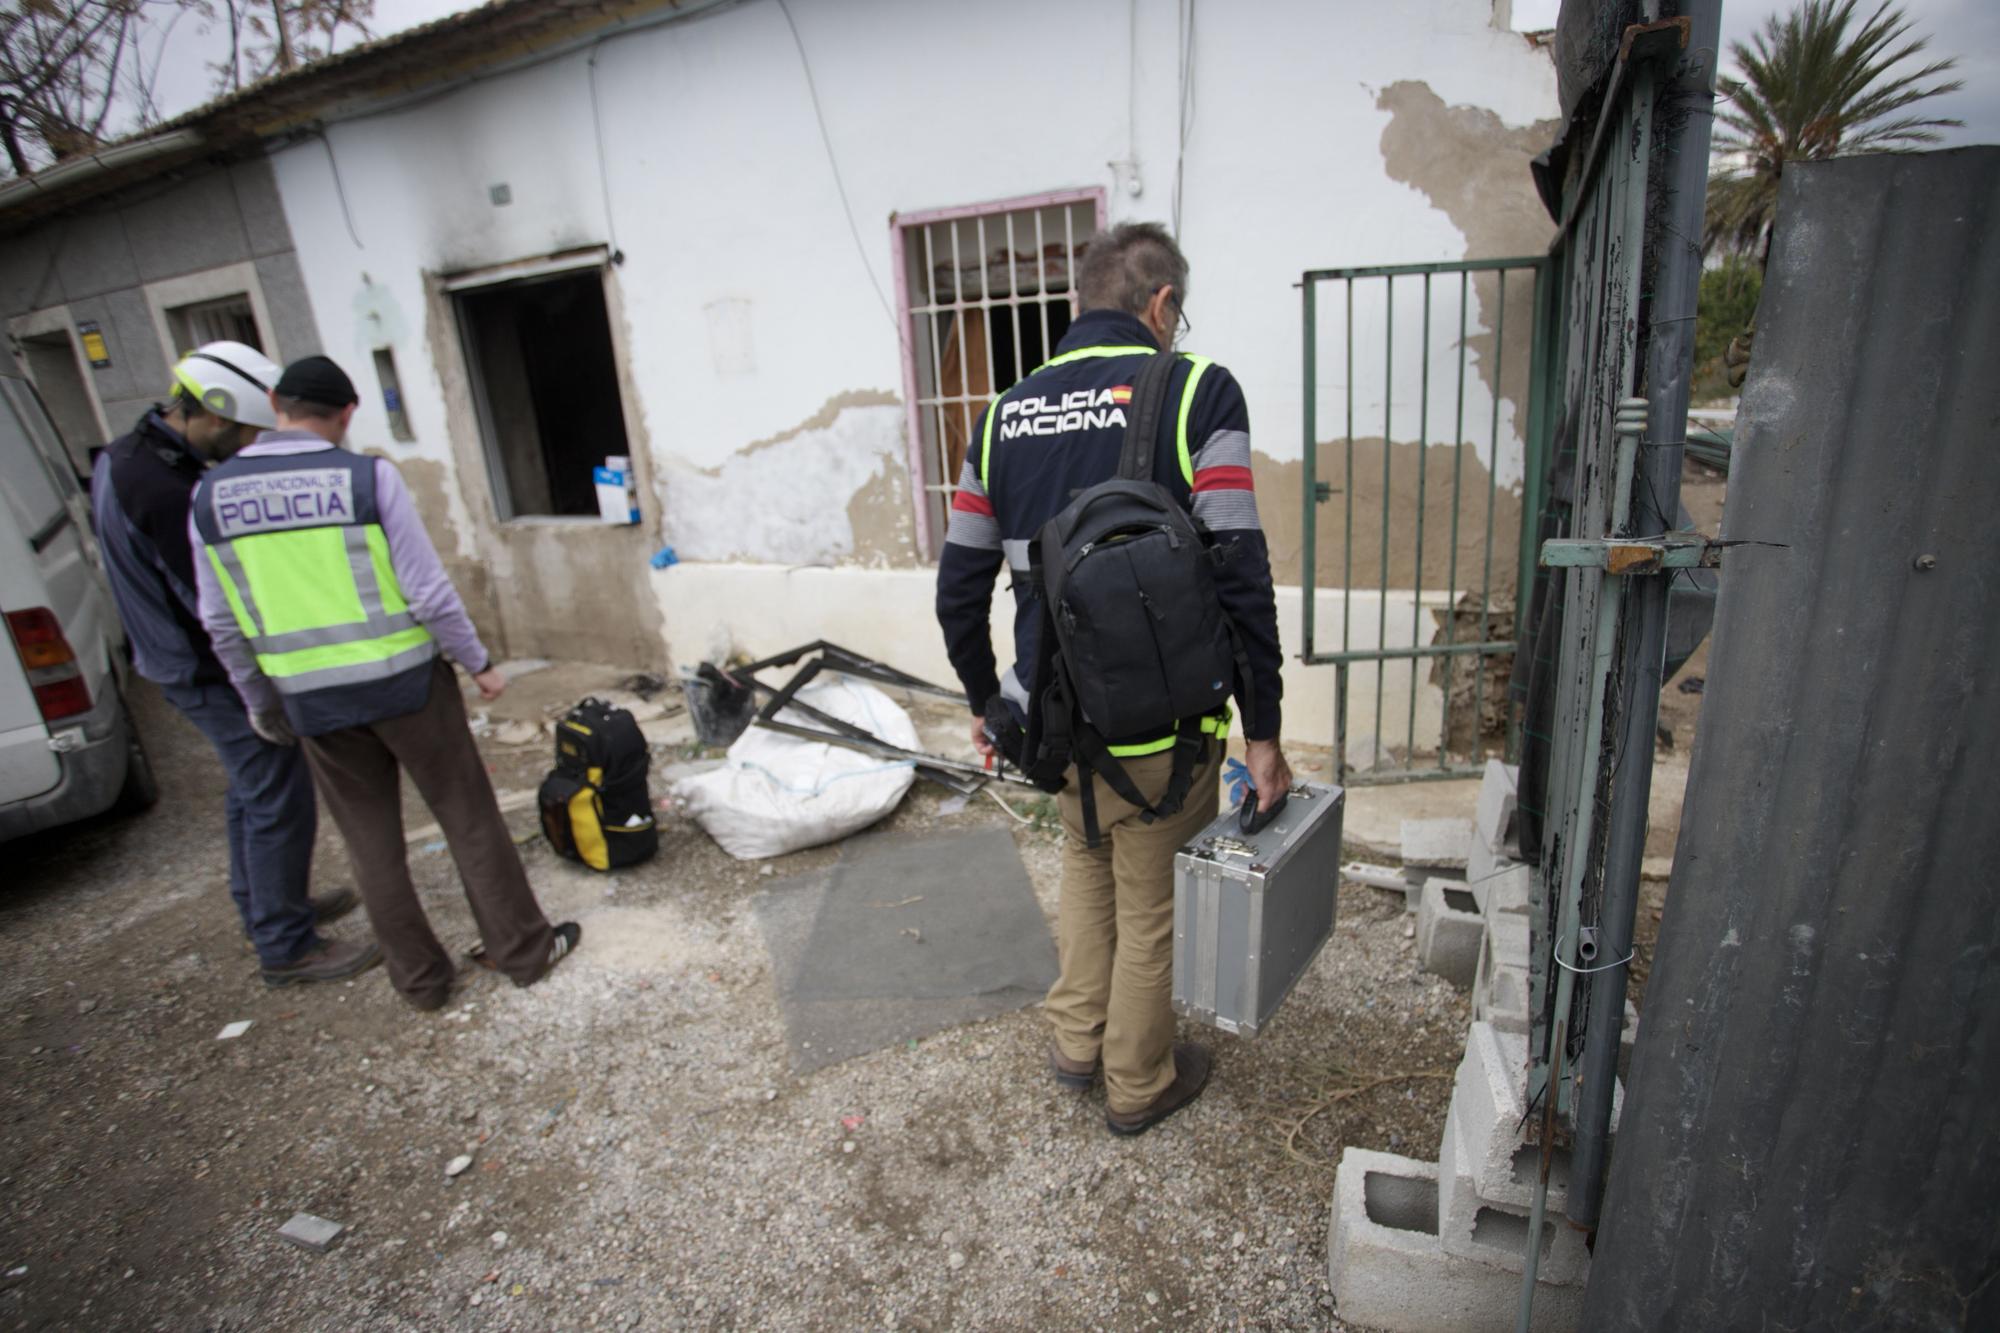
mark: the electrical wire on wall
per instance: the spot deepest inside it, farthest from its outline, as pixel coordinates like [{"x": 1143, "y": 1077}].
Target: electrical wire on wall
[
  {"x": 603, "y": 174},
  {"x": 339, "y": 189},
  {"x": 1185, "y": 15},
  {"x": 833, "y": 162}
]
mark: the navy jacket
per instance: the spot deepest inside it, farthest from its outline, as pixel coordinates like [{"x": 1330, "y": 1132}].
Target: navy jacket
[
  {"x": 139, "y": 494},
  {"x": 1059, "y": 431}
]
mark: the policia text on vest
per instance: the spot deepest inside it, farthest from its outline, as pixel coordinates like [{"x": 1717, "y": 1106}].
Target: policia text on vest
[{"x": 296, "y": 543}]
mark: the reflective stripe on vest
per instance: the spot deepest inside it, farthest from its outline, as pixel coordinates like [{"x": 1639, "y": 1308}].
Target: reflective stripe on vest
[
  {"x": 321, "y": 606},
  {"x": 1215, "y": 724},
  {"x": 1197, "y": 364}
]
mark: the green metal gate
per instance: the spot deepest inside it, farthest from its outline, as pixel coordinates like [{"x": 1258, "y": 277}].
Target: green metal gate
[{"x": 1459, "y": 619}]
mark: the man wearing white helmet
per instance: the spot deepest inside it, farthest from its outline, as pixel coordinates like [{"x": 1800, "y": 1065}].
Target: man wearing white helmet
[{"x": 140, "y": 492}]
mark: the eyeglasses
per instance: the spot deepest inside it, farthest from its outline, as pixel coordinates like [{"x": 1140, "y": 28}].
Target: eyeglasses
[{"x": 1181, "y": 325}]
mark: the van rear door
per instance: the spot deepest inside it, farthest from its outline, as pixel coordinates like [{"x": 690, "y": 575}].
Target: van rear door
[{"x": 43, "y": 563}]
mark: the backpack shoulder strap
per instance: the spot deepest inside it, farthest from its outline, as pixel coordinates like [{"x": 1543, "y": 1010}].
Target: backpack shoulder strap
[{"x": 1142, "y": 427}]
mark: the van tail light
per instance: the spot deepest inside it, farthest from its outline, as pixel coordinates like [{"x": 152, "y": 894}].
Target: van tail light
[{"x": 53, "y": 673}]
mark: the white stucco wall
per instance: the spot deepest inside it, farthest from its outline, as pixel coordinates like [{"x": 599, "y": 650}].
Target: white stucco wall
[{"x": 749, "y": 310}]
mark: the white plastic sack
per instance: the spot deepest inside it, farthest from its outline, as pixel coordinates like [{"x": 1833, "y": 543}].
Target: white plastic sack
[{"x": 779, "y": 793}]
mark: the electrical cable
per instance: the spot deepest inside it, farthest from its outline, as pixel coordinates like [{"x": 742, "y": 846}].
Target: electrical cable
[
  {"x": 833, "y": 162},
  {"x": 339, "y": 189},
  {"x": 603, "y": 175},
  {"x": 1602, "y": 967},
  {"x": 1186, "y": 80}
]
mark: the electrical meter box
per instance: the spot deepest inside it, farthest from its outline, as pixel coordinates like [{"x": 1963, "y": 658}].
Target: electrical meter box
[{"x": 1251, "y": 910}]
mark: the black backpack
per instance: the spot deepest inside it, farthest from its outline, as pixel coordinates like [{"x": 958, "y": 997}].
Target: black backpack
[
  {"x": 595, "y": 805},
  {"x": 1134, "y": 636}
]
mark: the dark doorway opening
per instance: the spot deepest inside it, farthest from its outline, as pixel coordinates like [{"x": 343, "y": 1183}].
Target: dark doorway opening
[{"x": 545, "y": 383}]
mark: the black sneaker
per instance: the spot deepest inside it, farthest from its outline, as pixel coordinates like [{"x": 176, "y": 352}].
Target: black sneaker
[{"x": 568, "y": 935}]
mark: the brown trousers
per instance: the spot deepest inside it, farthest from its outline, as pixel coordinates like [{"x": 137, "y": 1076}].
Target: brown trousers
[
  {"x": 1115, "y": 930},
  {"x": 356, "y": 771}
]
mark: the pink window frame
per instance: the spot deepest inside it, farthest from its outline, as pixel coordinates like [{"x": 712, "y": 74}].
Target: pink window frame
[{"x": 906, "y": 335}]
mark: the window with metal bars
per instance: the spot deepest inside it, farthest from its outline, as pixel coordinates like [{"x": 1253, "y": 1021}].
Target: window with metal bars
[
  {"x": 986, "y": 295},
  {"x": 229, "y": 319}
]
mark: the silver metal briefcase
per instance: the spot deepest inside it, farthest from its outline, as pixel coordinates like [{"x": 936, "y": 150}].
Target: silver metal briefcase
[{"x": 1252, "y": 910}]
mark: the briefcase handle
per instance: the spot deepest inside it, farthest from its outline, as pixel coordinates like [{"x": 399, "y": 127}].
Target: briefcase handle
[{"x": 1252, "y": 820}]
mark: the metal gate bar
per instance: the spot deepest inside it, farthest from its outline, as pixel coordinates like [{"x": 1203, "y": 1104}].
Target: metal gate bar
[{"x": 1423, "y": 647}]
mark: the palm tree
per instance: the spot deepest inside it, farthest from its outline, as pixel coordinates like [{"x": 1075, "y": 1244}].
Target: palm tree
[{"x": 1810, "y": 90}]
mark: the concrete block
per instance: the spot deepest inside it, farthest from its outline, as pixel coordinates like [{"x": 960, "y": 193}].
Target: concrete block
[
  {"x": 94, "y": 257},
  {"x": 1389, "y": 1270},
  {"x": 1450, "y": 931},
  {"x": 1505, "y": 889},
  {"x": 1482, "y": 862},
  {"x": 1435, "y": 845},
  {"x": 264, "y": 225},
  {"x": 1473, "y": 1226},
  {"x": 1493, "y": 818},
  {"x": 309, "y": 1232},
  {"x": 285, "y": 297},
  {"x": 139, "y": 367},
  {"x": 1500, "y": 995},
  {"x": 27, "y": 277},
  {"x": 192, "y": 226},
  {"x": 1506, "y": 1004},
  {"x": 1508, "y": 935},
  {"x": 1488, "y": 1101}
]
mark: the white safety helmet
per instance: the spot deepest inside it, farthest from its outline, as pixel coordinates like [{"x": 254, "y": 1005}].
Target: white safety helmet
[{"x": 233, "y": 380}]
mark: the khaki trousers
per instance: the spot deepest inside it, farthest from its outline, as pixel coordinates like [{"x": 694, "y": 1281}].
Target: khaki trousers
[
  {"x": 1115, "y": 929},
  {"x": 356, "y": 770}
]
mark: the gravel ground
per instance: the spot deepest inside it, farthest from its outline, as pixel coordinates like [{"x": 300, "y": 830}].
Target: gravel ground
[{"x": 642, "y": 1155}]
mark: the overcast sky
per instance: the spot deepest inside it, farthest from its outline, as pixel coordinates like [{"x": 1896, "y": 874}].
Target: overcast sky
[{"x": 1968, "y": 29}]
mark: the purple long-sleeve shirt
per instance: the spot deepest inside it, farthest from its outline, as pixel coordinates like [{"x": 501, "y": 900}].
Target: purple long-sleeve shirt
[{"x": 426, "y": 587}]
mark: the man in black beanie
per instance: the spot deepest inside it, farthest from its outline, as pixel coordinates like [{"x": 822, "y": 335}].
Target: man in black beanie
[{"x": 329, "y": 607}]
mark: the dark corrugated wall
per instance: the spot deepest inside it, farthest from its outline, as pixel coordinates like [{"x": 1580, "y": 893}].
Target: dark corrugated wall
[{"x": 1811, "y": 1136}]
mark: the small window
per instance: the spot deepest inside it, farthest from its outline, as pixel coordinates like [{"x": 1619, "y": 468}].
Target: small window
[
  {"x": 545, "y": 386},
  {"x": 229, "y": 319},
  {"x": 392, "y": 395},
  {"x": 989, "y": 297}
]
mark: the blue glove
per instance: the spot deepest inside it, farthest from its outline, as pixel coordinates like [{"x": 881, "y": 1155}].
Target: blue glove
[{"x": 1238, "y": 779}]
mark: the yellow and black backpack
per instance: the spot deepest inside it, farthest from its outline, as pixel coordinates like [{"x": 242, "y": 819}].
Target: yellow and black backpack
[{"x": 595, "y": 805}]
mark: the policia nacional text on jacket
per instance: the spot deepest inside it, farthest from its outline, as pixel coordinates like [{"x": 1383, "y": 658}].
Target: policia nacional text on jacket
[{"x": 1017, "y": 476}]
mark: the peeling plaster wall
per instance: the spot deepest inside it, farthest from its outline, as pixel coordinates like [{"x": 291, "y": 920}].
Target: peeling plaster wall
[{"x": 759, "y": 356}]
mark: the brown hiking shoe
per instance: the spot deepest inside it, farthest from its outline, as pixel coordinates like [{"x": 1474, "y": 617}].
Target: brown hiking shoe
[
  {"x": 332, "y": 906},
  {"x": 333, "y": 960},
  {"x": 1074, "y": 1074},
  {"x": 1192, "y": 1064}
]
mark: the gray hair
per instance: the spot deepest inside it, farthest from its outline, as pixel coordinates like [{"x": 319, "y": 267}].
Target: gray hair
[{"x": 1125, "y": 266}]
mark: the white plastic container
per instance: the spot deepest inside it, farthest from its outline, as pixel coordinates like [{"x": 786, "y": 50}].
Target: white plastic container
[{"x": 617, "y": 493}]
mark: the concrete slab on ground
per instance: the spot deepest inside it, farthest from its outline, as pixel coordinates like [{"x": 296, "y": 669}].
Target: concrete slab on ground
[
  {"x": 1436, "y": 844},
  {"x": 1372, "y": 822},
  {"x": 831, "y": 1019}
]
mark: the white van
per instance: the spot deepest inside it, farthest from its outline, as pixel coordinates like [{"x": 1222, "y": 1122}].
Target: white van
[{"x": 68, "y": 748}]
